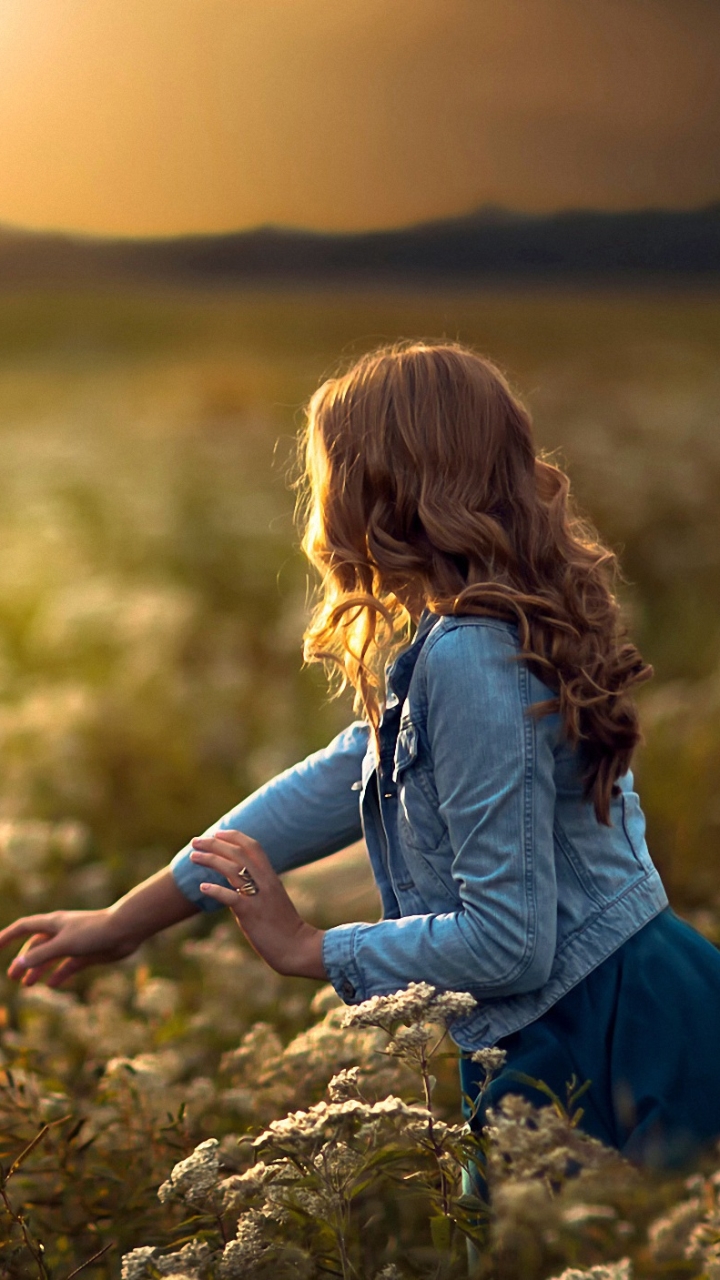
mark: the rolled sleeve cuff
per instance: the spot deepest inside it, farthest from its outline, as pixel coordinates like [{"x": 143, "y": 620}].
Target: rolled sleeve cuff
[
  {"x": 185, "y": 875},
  {"x": 338, "y": 955}
]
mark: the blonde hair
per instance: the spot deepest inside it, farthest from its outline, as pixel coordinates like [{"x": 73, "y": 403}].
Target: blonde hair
[{"x": 423, "y": 488}]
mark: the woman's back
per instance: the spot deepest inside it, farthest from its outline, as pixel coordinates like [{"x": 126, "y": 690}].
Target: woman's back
[{"x": 477, "y": 809}]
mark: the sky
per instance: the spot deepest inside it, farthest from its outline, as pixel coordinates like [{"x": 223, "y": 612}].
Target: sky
[{"x": 160, "y": 117}]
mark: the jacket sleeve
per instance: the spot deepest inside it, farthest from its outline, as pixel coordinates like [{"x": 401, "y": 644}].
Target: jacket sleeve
[
  {"x": 492, "y": 762},
  {"x": 304, "y": 814}
]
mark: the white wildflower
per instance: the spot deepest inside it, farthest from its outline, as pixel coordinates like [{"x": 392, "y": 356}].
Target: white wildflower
[
  {"x": 531, "y": 1142},
  {"x": 136, "y": 1264},
  {"x": 395, "y": 1108},
  {"x": 711, "y": 1262},
  {"x": 324, "y": 1000},
  {"x": 669, "y": 1235},
  {"x": 246, "y": 1250},
  {"x": 194, "y": 1258},
  {"x": 414, "y": 1003},
  {"x": 268, "y": 1080},
  {"x": 491, "y": 1060},
  {"x": 327, "y": 1048},
  {"x": 703, "y": 1236},
  {"x": 238, "y": 1099},
  {"x": 305, "y": 1131},
  {"x": 578, "y": 1214},
  {"x": 304, "y": 1128},
  {"x": 236, "y": 1190},
  {"x": 517, "y": 1199},
  {"x": 621, "y": 1270},
  {"x": 49, "y": 999},
  {"x": 199, "y": 1095},
  {"x": 406, "y": 1005},
  {"x": 299, "y": 1127},
  {"x": 193, "y": 1178},
  {"x": 344, "y": 1085},
  {"x": 410, "y": 1042},
  {"x": 450, "y": 1005},
  {"x": 523, "y": 1212},
  {"x": 338, "y": 1162},
  {"x": 259, "y": 1050},
  {"x": 146, "y": 1071},
  {"x": 420, "y": 1129},
  {"x": 389, "y": 1272},
  {"x": 158, "y": 997},
  {"x": 316, "y": 1203}
]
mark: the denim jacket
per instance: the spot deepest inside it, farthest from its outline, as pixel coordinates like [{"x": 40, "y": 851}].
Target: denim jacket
[{"x": 494, "y": 873}]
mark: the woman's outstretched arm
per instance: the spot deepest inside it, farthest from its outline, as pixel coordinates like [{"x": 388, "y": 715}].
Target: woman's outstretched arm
[{"x": 68, "y": 941}]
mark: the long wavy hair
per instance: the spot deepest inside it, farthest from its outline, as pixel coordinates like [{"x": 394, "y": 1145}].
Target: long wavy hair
[{"x": 423, "y": 489}]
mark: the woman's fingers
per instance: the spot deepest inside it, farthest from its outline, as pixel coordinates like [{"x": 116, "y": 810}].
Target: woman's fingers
[
  {"x": 229, "y": 852},
  {"x": 217, "y": 862},
  {"x": 44, "y": 924},
  {"x": 66, "y": 969},
  {"x": 37, "y": 952},
  {"x": 239, "y": 848},
  {"x": 31, "y": 976},
  {"x": 19, "y": 964},
  {"x": 229, "y": 897}
]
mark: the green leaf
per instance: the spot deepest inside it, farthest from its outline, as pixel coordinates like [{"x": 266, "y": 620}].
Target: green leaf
[{"x": 441, "y": 1232}]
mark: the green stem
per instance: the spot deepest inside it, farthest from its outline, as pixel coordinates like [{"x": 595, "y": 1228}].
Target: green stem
[
  {"x": 34, "y": 1249},
  {"x": 436, "y": 1146}
]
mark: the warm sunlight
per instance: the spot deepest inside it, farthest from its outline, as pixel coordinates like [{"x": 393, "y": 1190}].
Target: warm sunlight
[{"x": 119, "y": 116}]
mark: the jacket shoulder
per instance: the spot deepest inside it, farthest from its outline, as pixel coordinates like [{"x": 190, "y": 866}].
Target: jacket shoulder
[{"x": 459, "y": 636}]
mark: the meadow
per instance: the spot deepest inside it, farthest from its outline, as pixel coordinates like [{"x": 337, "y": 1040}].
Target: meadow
[{"x": 152, "y": 600}]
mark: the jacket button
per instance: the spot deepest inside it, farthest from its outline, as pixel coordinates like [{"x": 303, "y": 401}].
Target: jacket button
[{"x": 347, "y": 989}]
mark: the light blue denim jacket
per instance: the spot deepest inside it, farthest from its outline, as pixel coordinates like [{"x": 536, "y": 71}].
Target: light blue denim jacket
[{"x": 495, "y": 876}]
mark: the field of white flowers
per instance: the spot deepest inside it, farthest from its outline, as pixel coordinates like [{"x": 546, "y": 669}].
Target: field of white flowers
[{"x": 189, "y": 1111}]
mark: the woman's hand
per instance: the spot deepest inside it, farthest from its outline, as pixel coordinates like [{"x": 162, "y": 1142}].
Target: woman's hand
[
  {"x": 268, "y": 918},
  {"x": 72, "y": 940}
]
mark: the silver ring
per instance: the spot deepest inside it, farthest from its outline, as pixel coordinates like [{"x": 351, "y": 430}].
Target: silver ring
[{"x": 247, "y": 886}]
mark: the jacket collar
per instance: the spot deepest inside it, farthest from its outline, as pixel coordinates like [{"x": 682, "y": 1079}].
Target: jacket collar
[{"x": 398, "y": 673}]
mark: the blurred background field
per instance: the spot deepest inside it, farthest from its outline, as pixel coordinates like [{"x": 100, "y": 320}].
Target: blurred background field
[
  {"x": 152, "y": 600},
  {"x": 152, "y": 595}
]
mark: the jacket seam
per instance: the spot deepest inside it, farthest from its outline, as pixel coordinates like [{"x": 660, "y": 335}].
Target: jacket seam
[
  {"x": 573, "y": 858},
  {"x": 444, "y": 626},
  {"x": 525, "y": 961},
  {"x": 607, "y": 906}
]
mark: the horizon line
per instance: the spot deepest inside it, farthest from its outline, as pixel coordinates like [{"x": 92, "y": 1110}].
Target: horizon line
[{"x": 490, "y": 212}]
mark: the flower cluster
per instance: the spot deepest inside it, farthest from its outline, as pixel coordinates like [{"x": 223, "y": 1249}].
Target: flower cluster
[
  {"x": 621, "y": 1270},
  {"x": 192, "y": 1261},
  {"x": 418, "y": 1002},
  {"x": 195, "y": 1177},
  {"x": 527, "y": 1142}
]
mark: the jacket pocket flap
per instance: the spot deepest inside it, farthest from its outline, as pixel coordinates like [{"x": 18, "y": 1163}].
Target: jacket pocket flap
[{"x": 405, "y": 749}]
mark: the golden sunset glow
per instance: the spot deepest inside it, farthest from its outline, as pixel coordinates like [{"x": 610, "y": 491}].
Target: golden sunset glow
[{"x": 164, "y": 116}]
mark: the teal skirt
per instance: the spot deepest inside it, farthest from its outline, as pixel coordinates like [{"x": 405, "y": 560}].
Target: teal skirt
[{"x": 644, "y": 1029}]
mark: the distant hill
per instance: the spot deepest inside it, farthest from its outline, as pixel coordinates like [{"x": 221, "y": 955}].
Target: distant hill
[{"x": 491, "y": 243}]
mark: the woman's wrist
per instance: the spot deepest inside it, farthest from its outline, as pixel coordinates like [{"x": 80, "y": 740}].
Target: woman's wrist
[
  {"x": 307, "y": 961},
  {"x": 149, "y": 908}
]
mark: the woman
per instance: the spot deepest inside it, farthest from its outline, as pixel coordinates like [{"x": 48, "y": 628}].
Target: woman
[{"x": 492, "y": 764}]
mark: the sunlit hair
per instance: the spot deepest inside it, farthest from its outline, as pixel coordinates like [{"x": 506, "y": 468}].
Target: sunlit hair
[{"x": 423, "y": 488}]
